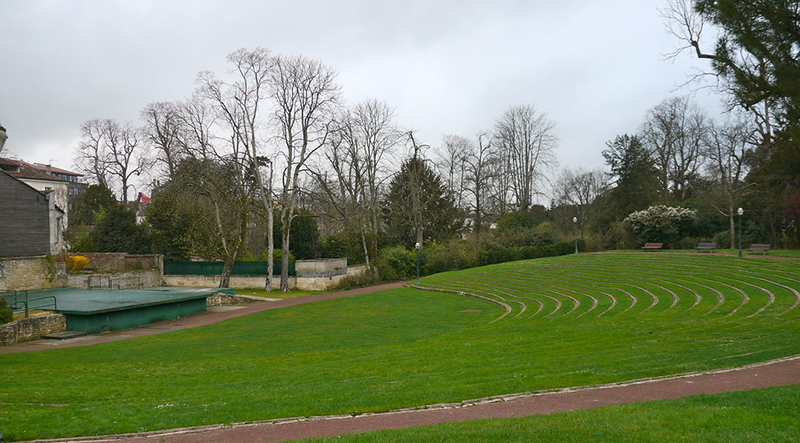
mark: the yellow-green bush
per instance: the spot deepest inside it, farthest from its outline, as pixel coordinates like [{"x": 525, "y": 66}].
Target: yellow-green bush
[{"x": 76, "y": 263}]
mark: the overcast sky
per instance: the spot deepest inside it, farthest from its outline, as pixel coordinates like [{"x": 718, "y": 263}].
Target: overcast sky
[{"x": 447, "y": 66}]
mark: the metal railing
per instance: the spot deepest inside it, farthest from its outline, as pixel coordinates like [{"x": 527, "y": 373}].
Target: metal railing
[{"x": 23, "y": 304}]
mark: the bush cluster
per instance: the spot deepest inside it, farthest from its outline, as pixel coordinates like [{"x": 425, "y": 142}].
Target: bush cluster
[
  {"x": 76, "y": 263},
  {"x": 398, "y": 263},
  {"x": 661, "y": 223}
]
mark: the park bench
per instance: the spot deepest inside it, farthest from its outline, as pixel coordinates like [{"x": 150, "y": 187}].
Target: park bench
[
  {"x": 706, "y": 247},
  {"x": 652, "y": 246},
  {"x": 758, "y": 247}
]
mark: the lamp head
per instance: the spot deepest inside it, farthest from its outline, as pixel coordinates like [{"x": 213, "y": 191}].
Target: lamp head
[
  {"x": 574, "y": 219},
  {"x": 740, "y": 211},
  {"x": 417, "y": 246}
]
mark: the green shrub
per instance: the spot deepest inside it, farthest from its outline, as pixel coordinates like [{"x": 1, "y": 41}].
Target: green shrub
[
  {"x": 344, "y": 245},
  {"x": 492, "y": 252},
  {"x": 357, "y": 281},
  {"x": 542, "y": 234},
  {"x": 723, "y": 240},
  {"x": 276, "y": 256},
  {"x": 6, "y": 314},
  {"x": 451, "y": 256},
  {"x": 397, "y": 263}
]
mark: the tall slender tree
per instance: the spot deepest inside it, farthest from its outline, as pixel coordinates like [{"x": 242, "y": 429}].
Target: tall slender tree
[
  {"x": 305, "y": 95},
  {"x": 239, "y": 105}
]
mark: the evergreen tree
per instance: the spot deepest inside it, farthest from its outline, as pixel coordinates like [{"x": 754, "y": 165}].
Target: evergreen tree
[
  {"x": 305, "y": 235},
  {"x": 636, "y": 182},
  {"x": 441, "y": 220},
  {"x": 115, "y": 230},
  {"x": 88, "y": 202}
]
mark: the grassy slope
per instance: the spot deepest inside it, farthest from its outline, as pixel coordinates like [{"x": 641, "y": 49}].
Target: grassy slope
[{"x": 405, "y": 348}]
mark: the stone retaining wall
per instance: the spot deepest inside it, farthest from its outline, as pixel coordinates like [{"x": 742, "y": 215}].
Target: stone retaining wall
[
  {"x": 327, "y": 267},
  {"x": 17, "y": 274},
  {"x": 33, "y": 328},
  {"x": 258, "y": 281},
  {"x": 237, "y": 281},
  {"x": 120, "y": 280}
]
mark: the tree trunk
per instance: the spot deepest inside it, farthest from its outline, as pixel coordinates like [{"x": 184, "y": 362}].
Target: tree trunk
[
  {"x": 285, "y": 261},
  {"x": 270, "y": 247},
  {"x": 733, "y": 229},
  {"x": 225, "y": 278}
]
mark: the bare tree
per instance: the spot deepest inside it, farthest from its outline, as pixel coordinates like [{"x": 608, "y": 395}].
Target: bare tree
[
  {"x": 217, "y": 173},
  {"x": 163, "y": 132},
  {"x": 305, "y": 95},
  {"x": 239, "y": 105},
  {"x": 110, "y": 152},
  {"x": 526, "y": 141},
  {"x": 356, "y": 155},
  {"x": 727, "y": 148},
  {"x": 469, "y": 169},
  {"x": 674, "y": 132},
  {"x": 578, "y": 188},
  {"x": 90, "y": 155},
  {"x": 451, "y": 162},
  {"x": 479, "y": 176}
]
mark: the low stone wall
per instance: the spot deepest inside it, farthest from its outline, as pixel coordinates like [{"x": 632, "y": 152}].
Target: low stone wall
[
  {"x": 328, "y": 267},
  {"x": 17, "y": 274},
  {"x": 120, "y": 280},
  {"x": 354, "y": 271},
  {"x": 318, "y": 283},
  {"x": 33, "y": 328},
  {"x": 312, "y": 275},
  {"x": 323, "y": 283},
  {"x": 220, "y": 299},
  {"x": 237, "y": 281}
]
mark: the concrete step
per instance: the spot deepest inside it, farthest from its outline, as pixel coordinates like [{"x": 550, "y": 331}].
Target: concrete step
[{"x": 64, "y": 335}]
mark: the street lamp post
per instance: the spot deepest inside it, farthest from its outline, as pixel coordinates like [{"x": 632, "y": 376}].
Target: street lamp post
[
  {"x": 575, "y": 221},
  {"x": 417, "y": 246},
  {"x": 740, "y": 211}
]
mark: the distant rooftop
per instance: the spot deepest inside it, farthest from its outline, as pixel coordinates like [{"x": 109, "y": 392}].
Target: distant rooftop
[{"x": 23, "y": 169}]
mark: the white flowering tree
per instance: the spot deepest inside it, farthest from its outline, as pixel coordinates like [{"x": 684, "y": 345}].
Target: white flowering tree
[{"x": 661, "y": 223}]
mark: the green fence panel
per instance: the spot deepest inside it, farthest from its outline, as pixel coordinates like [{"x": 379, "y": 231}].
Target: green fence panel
[{"x": 215, "y": 268}]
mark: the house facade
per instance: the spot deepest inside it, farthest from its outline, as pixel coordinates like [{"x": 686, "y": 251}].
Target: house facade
[
  {"x": 30, "y": 222},
  {"x": 62, "y": 185}
]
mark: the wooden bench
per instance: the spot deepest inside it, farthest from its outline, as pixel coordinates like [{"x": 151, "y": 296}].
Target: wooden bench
[
  {"x": 758, "y": 247},
  {"x": 652, "y": 246},
  {"x": 706, "y": 247}
]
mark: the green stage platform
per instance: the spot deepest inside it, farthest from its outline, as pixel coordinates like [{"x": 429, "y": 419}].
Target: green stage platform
[{"x": 98, "y": 310}]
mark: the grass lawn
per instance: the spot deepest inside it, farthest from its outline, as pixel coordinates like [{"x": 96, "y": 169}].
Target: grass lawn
[
  {"x": 564, "y": 321},
  {"x": 765, "y": 415}
]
